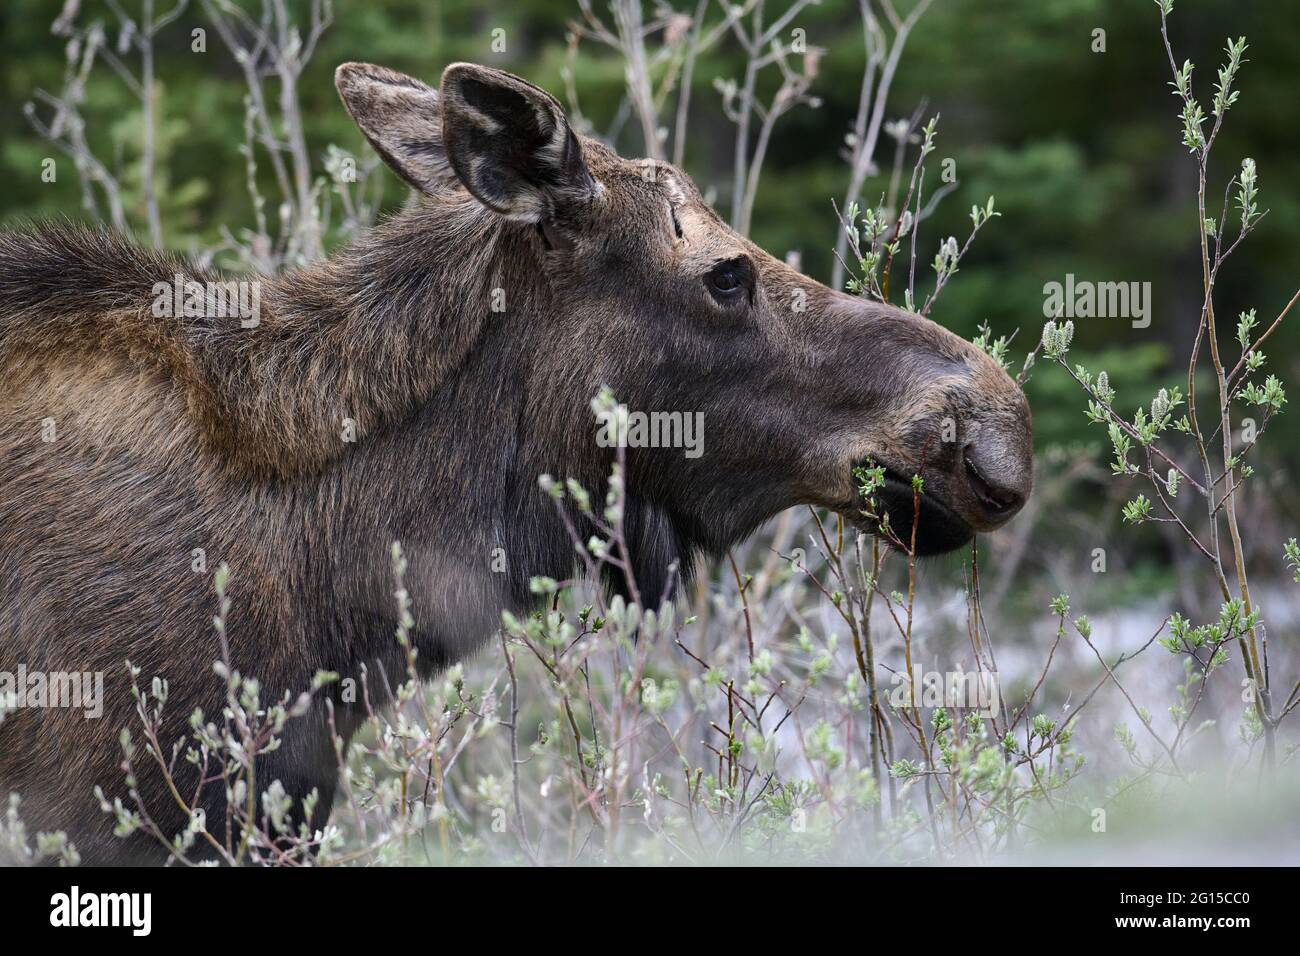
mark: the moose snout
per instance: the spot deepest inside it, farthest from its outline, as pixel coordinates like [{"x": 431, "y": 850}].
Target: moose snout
[
  {"x": 997, "y": 469},
  {"x": 999, "y": 499}
]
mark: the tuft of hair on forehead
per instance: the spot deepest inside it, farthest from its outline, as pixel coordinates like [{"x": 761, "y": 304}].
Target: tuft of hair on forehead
[
  {"x": 675, "y": 184},
  {"x": 666, "y": 177}
]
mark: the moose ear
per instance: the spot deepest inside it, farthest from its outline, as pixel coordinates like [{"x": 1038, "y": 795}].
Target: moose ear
[
  {"x": 509, "y": 143},
  {"x": 400, "y": 117}
]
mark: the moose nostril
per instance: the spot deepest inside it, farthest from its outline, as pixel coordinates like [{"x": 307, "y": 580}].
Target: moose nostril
[{"x": 998, "y": 501}]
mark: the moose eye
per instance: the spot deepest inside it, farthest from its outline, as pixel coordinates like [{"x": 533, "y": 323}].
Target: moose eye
[{"x": 729, "y": 281}]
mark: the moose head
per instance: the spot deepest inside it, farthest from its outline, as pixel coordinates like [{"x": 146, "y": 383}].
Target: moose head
[{"x": 636, "y": 283}]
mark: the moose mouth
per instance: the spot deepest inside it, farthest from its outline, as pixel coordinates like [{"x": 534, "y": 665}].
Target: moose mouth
[{"x": 938, "y": 529}]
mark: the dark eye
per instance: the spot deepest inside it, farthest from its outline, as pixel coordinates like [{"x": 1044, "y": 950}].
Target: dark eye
[{"x": 729, "y": 281}]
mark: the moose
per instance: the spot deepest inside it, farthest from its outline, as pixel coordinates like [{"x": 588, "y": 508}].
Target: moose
[{"x": 413, "y": 387}]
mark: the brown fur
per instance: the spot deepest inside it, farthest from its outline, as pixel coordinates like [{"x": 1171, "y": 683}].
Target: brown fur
[{"x": 180, "y": 434}]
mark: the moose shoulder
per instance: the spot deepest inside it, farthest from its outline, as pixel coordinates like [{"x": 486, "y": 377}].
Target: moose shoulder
[{"x": 413, "y": 388}]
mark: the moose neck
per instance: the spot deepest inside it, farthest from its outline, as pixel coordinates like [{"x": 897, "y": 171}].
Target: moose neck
[
  {"x": 463, "y": 428},
  {"x": 419, "y": 339}
]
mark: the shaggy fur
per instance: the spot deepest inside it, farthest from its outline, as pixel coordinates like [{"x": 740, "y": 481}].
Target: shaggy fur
[{"x": 174, "y": 435}]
